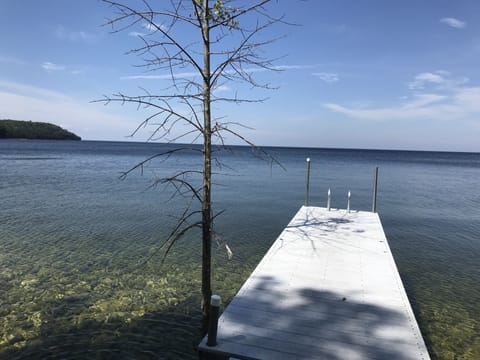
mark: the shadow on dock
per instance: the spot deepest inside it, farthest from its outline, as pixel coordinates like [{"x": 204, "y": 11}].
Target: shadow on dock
[
  {"x": 303, "y": 228},
  {"x": 269, "y": 326}
]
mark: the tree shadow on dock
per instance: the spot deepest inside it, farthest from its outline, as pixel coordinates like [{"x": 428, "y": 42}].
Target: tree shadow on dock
[
  {"x": 316, "y": 229},
  {"x": 310, "y": 324},
  {"x": 328, "y": 224}
]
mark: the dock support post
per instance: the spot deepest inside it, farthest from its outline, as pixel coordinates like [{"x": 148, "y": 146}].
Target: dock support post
[
  {"x": 213, "y": 324},
  {"x": 375, "y": 182},
  {"x": 348, "y": 201},
  {"x": 307, "y": 185},
  {"x": 329, "y": 200}
]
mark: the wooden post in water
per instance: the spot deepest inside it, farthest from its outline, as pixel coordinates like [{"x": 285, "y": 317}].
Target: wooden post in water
[
  {"x": 307, "y": 185},
  {"x": 375, "y": 182}
]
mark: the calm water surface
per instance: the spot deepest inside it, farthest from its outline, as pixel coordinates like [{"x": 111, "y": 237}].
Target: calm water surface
[{"x": 81, "y": 272}]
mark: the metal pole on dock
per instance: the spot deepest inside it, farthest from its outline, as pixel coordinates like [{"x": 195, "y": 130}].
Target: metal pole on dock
[
  {"x": 213, "y": 324},
  {"x": 307, "y": 186},
  {"x": 329, "y": 200},
  {"x": 375, "y": 182},
  {"x": 348, "y": 201}
]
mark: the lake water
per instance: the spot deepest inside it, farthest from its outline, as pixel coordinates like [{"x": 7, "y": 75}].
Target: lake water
[{"x": 81, "y": 271}]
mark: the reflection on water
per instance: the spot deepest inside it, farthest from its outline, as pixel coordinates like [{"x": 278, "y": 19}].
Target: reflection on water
[{"x": 74, "y": 240}]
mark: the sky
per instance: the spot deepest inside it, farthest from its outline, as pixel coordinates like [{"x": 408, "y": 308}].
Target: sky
[{"x": 354, "y": 74}]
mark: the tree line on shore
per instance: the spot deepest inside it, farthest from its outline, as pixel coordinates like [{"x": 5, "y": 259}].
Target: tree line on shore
[{"x": 15, "y": 129}]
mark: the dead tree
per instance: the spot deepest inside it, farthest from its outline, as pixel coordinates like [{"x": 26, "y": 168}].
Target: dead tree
[{"x": 201, "y": 45}]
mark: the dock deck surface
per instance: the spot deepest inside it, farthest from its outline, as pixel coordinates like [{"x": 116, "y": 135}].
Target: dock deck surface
[{"x": 328, "y": 288}]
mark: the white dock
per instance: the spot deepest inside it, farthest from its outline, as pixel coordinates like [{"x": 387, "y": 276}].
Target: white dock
[{"x": 328, "y": 288}]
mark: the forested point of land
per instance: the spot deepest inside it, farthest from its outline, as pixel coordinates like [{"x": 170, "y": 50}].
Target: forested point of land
[{"x": 15, "y": 129}]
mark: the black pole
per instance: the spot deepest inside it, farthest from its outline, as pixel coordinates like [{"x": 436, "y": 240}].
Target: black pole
[
  {"x": 213, "y": 324},
  {"x": 375, "y": 182}
]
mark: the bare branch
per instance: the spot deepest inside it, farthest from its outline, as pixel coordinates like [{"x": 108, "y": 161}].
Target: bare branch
[
  {"x": 165, "y": 154},
  {"x": 128, "y": 12},
  {"x": 262, "y": 152}
]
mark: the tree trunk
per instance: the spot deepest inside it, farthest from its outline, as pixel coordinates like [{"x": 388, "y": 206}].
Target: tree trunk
[{"x": 207, "y": 173}]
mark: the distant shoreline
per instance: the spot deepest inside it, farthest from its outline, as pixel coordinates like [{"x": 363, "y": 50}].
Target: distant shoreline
[{"x": 266, "y": 147}]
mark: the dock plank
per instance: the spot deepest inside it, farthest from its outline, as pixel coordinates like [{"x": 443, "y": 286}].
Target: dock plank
[{"x": 328, "y": 288}]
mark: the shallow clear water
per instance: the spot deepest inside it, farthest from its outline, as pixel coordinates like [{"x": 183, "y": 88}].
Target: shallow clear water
[{"x": 81, "y": 273}]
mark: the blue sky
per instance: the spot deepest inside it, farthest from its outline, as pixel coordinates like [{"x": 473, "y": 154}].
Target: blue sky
[{"x": 356, "y": 74}]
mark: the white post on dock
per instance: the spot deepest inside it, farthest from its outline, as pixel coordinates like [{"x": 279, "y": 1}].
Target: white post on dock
[
  {"x": 329, "y": 199},
  {"x": 348, "y": 201},
  {"x": 213, "y": 324},
  {"x": 307, "y": 185},
  {"x": 375, "y": 181}
]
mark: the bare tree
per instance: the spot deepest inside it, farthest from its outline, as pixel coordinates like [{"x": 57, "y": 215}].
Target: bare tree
[{"x": 201, "y": 45}]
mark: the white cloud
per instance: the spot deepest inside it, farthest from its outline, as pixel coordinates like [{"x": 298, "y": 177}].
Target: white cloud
[
  {"x": 11, "y": 60},
  {"x": 31, "y": 91},
  {"x": 424, "y": 78},
  {"x": 161, "y": 76},
  {"x": 452, "y": 22},
  {"x": 222, "y": 88},
  {"x": 62, "y": 33},
  {"x": 440, "y": 79},
  {"x": 136, "y": 33},
  {"x": 91, "y": 121},
  {"x": 463, "y": 103},
  {"x": 443, "y": 72},
  {"x": 153, "y": 26},
  {"x": 193, "y": 74},
  {"x": 279, "y": 68},
  {"x": 448, "y": 99},
  {"x": 422, "y": 100},
  {"x": 469, "y": 99},
  {"x": 148, "y": 26},
  {"x": 50, "y": 67},
  {"x": 327, "y": 77},
  {"x": 292, "y": 67}
]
